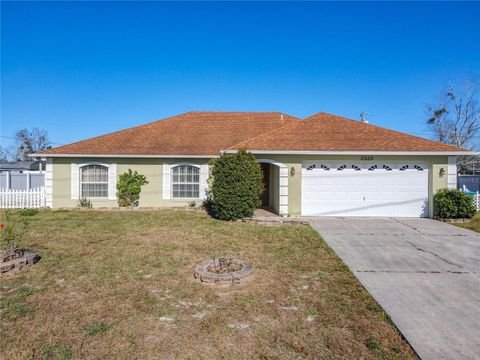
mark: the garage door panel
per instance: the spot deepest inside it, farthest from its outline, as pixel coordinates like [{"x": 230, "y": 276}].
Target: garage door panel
[
  {"x": 340, "y": 180},
  {"x": 403, "y": 196},
  {"x": 373, "y": 181},
  {"x": 388, "y": 196},
  {"x": 389, "y": 181},
  {"x": 356, "y": 196},
  {"x": 355, "y": 180},
  {"x": 326, "y": 181},
  {"x": 417, "y": 182},
  {"x": 345, "y": 210},
  {"x": 372, "y": 196},
  {"x": 340, "y": 196},
  {"x": 310, "y": 180},
  {"x": 352, "y": 210},
  {"x": 375, "y": 192},
  {"x": 406, "y": 182},
  {"x": 325, "y": 196}
]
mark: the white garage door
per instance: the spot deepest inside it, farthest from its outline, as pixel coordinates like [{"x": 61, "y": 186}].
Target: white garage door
[{"x": 365, "y": 189}]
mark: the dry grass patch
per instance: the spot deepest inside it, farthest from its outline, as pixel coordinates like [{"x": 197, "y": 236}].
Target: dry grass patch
[
  {"x": 119, "y": 285},
  {"x": 473, "y": 224}
]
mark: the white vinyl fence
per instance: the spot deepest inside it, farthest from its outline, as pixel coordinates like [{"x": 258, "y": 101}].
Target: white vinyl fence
[
  {"x": 20, "y": 199},
  {"x": 22, "y": 181},
  {"x": 476, "y": 201}
]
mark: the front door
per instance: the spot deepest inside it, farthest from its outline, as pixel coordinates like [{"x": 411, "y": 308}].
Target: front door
[{"x": 266, "y": 182}]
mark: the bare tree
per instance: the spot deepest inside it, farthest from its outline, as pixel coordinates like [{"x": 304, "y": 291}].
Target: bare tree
[
  {"x": 455, "y": 120},
  {"x": 30, "y": 141},
  {"x": 455, "y": 116},
  {"x": 3, "y": 154}
]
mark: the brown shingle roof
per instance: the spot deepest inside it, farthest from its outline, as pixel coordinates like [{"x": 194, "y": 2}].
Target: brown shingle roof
[
  {"x": 326, "y": 132},
  {"x": 193, "y": 133},
  {"x": 208, "y": 133}
]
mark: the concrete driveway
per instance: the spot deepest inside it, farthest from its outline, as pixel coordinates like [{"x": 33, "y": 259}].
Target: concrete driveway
[{"x": 424, "y": 273}]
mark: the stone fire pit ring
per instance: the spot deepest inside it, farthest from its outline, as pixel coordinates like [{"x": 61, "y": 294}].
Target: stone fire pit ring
[
  {"x": 206, "y": 271},
  {"x": 18, "y": 259}
]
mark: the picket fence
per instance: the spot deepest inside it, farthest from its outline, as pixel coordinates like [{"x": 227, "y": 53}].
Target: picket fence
[
  {"x": 20, "y": 199},
  {"x": 476, "y": 201}
]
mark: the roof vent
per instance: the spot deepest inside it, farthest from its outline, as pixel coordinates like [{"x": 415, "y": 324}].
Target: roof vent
[
  {"x": 363, "y": 117},
  {"x": 281, "y": 117}
]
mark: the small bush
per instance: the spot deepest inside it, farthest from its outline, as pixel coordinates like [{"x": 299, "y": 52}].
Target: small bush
[
  {"x": 94, "y": 329},
  {"x": 236, "y": 185},
  {"x": 453, "y": 204},
  {"x": 371, "y": 344},
  {"x": 207, "y": 203},
  {"x": 84, "y": 203},
  {"x": 53, "y": 351},
  {"x": 28, "y": 212},
  {"x": 129, "y": 186}
]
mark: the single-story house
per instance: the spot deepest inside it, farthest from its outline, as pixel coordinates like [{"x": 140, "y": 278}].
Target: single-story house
[
  {"x": 22, "y": 166},
  {"x": 324, "y": 165},
  {"x": 21, "y": 175}
]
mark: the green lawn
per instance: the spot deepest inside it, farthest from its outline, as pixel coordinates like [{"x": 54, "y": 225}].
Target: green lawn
[{"x": 119, "y": 285}]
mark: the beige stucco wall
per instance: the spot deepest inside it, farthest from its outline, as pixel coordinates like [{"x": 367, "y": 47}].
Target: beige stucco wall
[{"x": 152, "y": 168}]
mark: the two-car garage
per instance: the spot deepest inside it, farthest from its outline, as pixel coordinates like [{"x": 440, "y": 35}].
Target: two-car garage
[{"x": 366, "y": 188}]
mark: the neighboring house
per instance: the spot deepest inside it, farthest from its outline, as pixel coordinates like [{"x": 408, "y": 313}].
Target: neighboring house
[
  {"x": 322, "y": 165},
  {"x": 22, "y": 166},
  {"x": 22, "y": 175}
]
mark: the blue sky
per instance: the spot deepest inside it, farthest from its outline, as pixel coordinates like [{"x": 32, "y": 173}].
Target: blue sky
[{"x": 80, "y": 69}]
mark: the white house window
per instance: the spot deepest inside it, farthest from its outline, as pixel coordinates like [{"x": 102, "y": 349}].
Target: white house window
[
  {"x": 94, "y": 181},
  {"x": 185, "y": 182}
]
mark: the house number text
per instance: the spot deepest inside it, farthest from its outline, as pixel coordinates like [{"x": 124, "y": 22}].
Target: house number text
[{"x": 366, "y": 158}]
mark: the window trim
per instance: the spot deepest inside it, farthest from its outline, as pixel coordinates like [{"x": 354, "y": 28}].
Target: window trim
[
  {"x": 172, "y": 167},
  {"x": 80, "y": 168}
]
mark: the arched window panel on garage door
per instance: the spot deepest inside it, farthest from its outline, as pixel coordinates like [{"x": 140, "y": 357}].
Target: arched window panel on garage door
[{"x": 321, "y": 166}]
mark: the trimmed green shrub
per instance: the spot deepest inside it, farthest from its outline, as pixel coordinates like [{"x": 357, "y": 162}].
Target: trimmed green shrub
[
  {"x": 236, "y": 185},
  {"x": 453, "y": 204},
  {"x": 129, "y": 186},
  {"x": 28, "y": 212}
]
